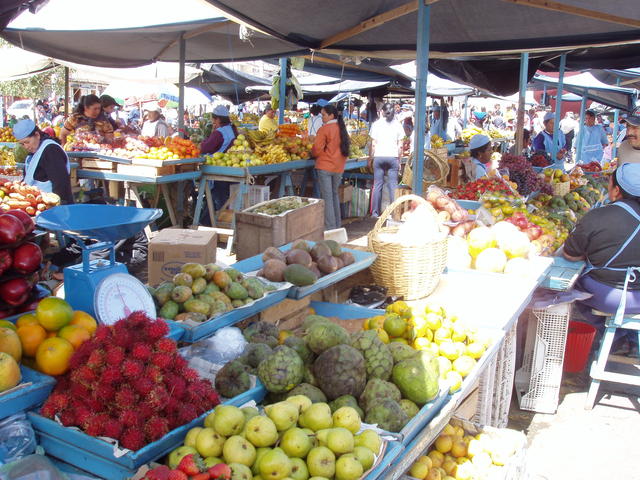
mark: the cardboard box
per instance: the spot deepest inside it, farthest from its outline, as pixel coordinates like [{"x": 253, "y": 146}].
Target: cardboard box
[
  {"x": 345, "y": 192},
  {"x": 173, "y": 247}
]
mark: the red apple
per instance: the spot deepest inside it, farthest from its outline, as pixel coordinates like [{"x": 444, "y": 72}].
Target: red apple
[
  {"x": 533, "y": 232},
  {"x": 11, "y": 229},
  {"x": 6, "y": 260},
  {"x": 26, "y": 220},
  {"x": 27, "y": 258},
  {"x": 15, "y": 291}
]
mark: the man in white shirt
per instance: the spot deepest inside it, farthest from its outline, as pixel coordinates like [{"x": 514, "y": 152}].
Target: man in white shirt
[
  {"x": 568, "y": 127},
  {"x": 629, "y": 151},
  {"x": 384, "y": 155}
]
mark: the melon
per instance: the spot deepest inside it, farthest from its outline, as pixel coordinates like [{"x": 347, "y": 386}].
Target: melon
[
  {"x": 10, "y": 343},
  {"x": 503, "y": 229},
  {"x": 480, "y": 239},
  {"x": 515, "y": 244},
  {"x": 491, "y": 260},
  {"x": 458, "y": 253}
]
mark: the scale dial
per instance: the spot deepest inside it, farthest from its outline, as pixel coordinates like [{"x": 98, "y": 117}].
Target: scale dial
[{"x": 120, "y": 294}]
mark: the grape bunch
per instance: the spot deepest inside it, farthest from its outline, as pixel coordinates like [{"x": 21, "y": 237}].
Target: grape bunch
[{"x": 521, "y": 172}]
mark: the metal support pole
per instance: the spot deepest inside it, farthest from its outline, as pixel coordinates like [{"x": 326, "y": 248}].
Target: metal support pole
[
  {"x": 616, "y": 119},
  {"x": 524, "y": 72},
  {"x": 583, "y": 109},
  {"x": 181, "y": 83},
  {"x": 422, "y": 72},
  {"x": 283, "y": 88},
  {"x": 66, "y": 91},
  {"x": 465, "y": 119},
  {"x": 556, "y": 124},
  {"x": 544, "y": 95}
]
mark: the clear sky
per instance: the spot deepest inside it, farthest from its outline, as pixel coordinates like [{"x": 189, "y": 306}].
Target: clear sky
[{"x": 98, "y": 14}]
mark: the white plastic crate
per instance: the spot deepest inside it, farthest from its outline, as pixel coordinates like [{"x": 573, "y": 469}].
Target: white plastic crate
[
  {"x": 503, "y": 383},
  {"x": 485, "y": 394},
  {"x": 255, "y": 194},
  {"x": 538, "y": 381}
]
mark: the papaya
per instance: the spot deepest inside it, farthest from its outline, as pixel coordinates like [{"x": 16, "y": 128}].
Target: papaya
[
  {"x": 222, "y": 298},
  {"x": 237, "y": 303},
  {"x": 221, "y": 279},
  {"x": 236, "y": 291},
  {"x": 194, "y": 269},
  {"x": 193, "y": 316},
  {"x": 218, "y": 307},
  {"x": 183, "y": 279},
  {"x": 181, "y": 293},
  {"x": 198, "y": 286},
  {"x": 209, "y": 270},
  {"x": 169, "y": 310},
  {"x": 299, "y": 275},
  {"x": 163, "y": 292},
  {"x": 234, "y": 274},
  {"x": 197, "y": 306},
  {"x": 254, "y": 287},
  {"x": 211, "y": 287}
]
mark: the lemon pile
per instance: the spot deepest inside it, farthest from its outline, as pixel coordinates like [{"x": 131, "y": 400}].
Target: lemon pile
[
  {"x": 456, "y": 345},
  {"x": 458, "y": 455}
]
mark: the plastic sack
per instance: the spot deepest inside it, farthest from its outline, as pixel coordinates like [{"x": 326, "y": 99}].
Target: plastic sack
[
  {"x": 17, "y": 438},
  {"x": 227, "y": 344},
  {"x": 32, "y": 467}
]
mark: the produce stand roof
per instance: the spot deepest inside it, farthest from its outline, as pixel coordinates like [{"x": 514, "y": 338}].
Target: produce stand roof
[
  {"x": 473, "y": 42},
  {"x": 629, "y": 78},
  {"x": 210, "y": 37},
  {"x": 226, "y": 81},
  {"x": 587, "y": 85}
]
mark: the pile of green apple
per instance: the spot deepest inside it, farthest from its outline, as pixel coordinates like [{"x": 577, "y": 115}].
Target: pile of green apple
[{"x": 293, "y": 439}]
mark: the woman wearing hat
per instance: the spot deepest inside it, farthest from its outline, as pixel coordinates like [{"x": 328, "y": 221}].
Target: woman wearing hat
[
  {"x": 221, "y": 138},
  {"x": 544, "y": 140},
  {"x": 155, "y": 125},
  {"x": 86, "y": 117},
  {"x": 109, "y": 105},
  {"x": 608, "y": 240},
  {"x": 47, "y": 165},
  {"x": 481, "y": 150}
]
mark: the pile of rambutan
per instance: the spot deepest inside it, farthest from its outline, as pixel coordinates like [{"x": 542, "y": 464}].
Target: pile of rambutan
[{"x": 129, "y": 383}]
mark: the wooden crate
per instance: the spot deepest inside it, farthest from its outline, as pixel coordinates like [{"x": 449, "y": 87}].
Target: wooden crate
[
  {"x": 288, "y": 314},
  {"x": 145, "y": 171},
  {"x": 256, "y": 232},
  {"x": 95, "y": 164}
]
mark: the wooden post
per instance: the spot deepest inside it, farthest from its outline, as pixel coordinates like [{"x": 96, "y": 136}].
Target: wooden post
[
  {"x": 524, "y": 69},
  {"x": 66, "y": 91}
]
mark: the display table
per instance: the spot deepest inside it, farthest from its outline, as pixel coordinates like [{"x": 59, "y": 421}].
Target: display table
[{"x": 244, "y": 177}]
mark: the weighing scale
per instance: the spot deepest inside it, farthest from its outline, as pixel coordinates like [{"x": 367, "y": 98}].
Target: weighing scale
[{"x": 101, "y": 287}]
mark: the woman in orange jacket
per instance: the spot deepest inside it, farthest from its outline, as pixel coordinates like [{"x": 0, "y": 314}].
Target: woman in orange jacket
[{"x": 331, "y": 149}]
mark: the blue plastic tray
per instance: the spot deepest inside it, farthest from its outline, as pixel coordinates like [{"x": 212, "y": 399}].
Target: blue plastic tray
[
  {"x": 92, "y": 454},
  {"x": 256, "y": 394},
  {"x": 27, "y": 397},
  {"x": 193, "y": 333},
  {"x": 362, "y": 260},
  {"x": 100, "y": 222},
  {"x": 562, "y": 275},
  {"x": 469, "y": 204},
  {"x": 344, "y": 312},
  {"x": 256, "y": 169},
  {"x": 393, "y": 451}
]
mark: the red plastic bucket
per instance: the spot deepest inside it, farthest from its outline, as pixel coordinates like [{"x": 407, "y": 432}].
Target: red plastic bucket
[{"x": 579, "y": 341}]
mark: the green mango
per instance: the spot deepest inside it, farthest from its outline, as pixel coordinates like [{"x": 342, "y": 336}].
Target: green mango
[
  {"x": 236, "y": 291},
  {"x": 169, "y": 310}
]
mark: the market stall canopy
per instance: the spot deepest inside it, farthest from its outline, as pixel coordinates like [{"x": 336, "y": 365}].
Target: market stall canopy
[
  {"x": 17, "y": 63},
  {"x": 587, "y": 86},
  {"x": 10, "y": 9},
  {"x": 476, "y": 43},
  {"x": 133, "y": 93},
  {"x": 93, "y": 40},
  {"x": 227, "y": 81},
  {"x": 629, "y": 78},
  {"x": 436, "y": 86}
]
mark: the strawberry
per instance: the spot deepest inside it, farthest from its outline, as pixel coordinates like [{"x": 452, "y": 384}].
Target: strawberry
[
  {"x": 220, "y": 471},
  {"x": 191, "y": 464},
  {"x": 177, "y": 475},
  {"x": 200, "y": 476},
  {"x": 158, "y": 473}
]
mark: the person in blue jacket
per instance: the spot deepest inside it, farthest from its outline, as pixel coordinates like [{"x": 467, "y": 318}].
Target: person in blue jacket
[
  {"x": 544, "y": 140},
  {"x": 594, "y": 139},
  {"x": 481, "y": 150}
]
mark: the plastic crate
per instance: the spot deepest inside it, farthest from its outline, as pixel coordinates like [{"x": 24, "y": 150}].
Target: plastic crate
[
  {"x": 538, "y": 380},
  {"x": 503, "y": 380},
  {"x": 24, "y": 398},
  {"x": 255, "y": 194},
  {"x": 486, "y": 385},
  {"x": 562, "y": 275}
]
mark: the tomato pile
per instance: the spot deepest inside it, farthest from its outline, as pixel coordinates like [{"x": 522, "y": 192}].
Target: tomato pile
[{"x": 474, "y": 190}]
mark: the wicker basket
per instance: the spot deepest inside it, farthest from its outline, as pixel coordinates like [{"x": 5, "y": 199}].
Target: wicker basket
[
  {"x": 439, "y": 169},
  {"x": 410, "y": 271},
  {"x": 561, "y": 189}
]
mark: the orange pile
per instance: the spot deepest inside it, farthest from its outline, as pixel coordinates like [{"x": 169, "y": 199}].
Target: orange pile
[
  {"x": 6, "y": 135},
  {"x": 182, "y": 147},
  {"x": 288, "y": 130}
]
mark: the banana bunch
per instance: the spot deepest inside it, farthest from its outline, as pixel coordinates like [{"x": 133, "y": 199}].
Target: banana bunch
[
  {"x": 272, "y": 153},
  {"x": 469, "y": 132},
  {"x": 437, "y": 141},
  {"x": 360, "y": 140},
  {"x": 258, "y": 137},
  {"x": 7, "y": 158}
]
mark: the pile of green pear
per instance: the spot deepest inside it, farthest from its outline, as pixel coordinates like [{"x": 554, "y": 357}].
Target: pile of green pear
[{"x": 294, "y": 440}]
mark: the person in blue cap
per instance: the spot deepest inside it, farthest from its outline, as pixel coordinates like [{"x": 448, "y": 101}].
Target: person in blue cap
[
  {"x": 594, "y": 139},
  {"x": 438, "y": 124},
  {"x": 315, "y": 119},
  {"x": 481, "y": 150},
  {"x": 47, "y": 165},
  {"x": 608, "y": 240},
  {"x": 544, "y": 140}
]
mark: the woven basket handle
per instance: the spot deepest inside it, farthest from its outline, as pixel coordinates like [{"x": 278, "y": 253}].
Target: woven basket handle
[{"x": 392, "y": 206}]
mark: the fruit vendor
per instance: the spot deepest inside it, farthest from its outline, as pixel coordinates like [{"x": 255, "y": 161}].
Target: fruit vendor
[
  {"x": 86, "y": 117},
  {"x": 438, "y": 124},
  {"x": 629, "y": 151},
  {"x": 268, "y": 123},
  {"x": 221, "y": 138},
  {"x": 481, "y": 150},
  {"x": 594, "y": 139},
  {"x": 155, "y": 124},
  {"x": 109, "y": 105},
  {"x": 47, "y": 165},
  {"x": 544, "y": 140},
  {"x": 608, "y": 239},
  {"x": 331, "y": 149}
]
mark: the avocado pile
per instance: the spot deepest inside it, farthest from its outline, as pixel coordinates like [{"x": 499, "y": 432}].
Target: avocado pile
[
  {"x": 200, "y": 292},
  {"x": 303, "y": 264},
  {"x": 386, "y": 384}
]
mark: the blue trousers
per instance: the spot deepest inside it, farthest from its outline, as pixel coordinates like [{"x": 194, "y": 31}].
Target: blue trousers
[
  {"x": 329, "y": 183},
  {"x": 382, "y": 165}
]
